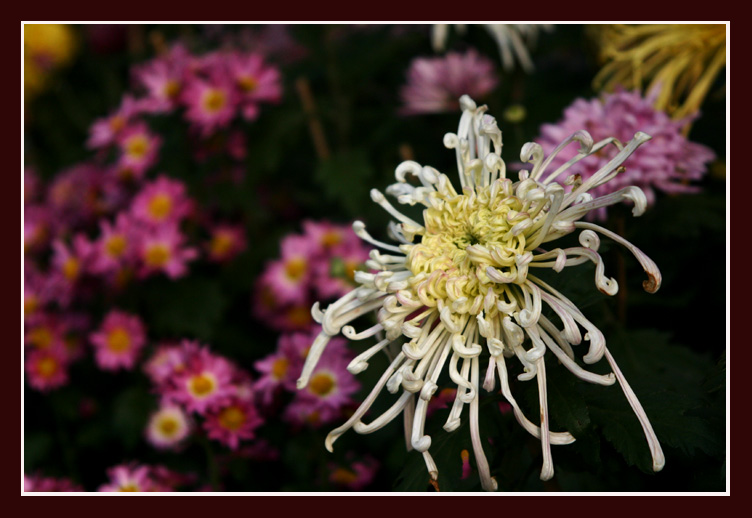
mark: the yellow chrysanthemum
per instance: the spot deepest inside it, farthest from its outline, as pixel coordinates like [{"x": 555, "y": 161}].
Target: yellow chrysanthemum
[{"x": 680, "y": 60}]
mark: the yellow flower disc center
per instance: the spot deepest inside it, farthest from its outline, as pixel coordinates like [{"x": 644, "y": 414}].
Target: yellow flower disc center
[
  {"x": 168, "y": 426},
  {"x": 232, "y": 418},
  {"x": 157, "y": 255},
  {"x": 279, "y": 368},
  {"x": 160, "y": 206},
  {"x": 295, "y": 268},
  {"x": 214, "y": 100},
  {"x": 137, "y": 146},
  {"x": 202, "y": 385},
  {"x": 247, "y": 83},
  {"x": 115, "y": 245},
  {"x": 118, "y": 340},
  {"x": 322, "y": 384}
]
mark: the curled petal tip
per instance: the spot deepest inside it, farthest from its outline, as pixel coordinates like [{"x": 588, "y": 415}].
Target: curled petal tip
[{"x": 652, "y": 284}]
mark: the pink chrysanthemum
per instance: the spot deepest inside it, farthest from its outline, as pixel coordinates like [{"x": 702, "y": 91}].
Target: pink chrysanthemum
[
  {"x": 226, "y": 242},
  {"x": 114, "y": 249},
  {"x": 46, "y": 369},
  {"x": 118, "y": 341},
  {"x": 255, "y": 81},
  {"x": 80, "y": 194},
  {"x": 280, "y": 369},
  {"x": 668, "y": 164},
  {"x": 68, "y": 265},
  {"x": 168, "y": 427},
  {"x": 167, "y": 361},
  {"x": 163, "y": 79},
  {"x": 38, "y": 227},
  {"x": 204, "y": 383},
  {"x": 210, "y": 102},
  {"x": 105, "y": 131},
  {"x": 328, "y": 391},
  {"x": 131, "y": 478},
  {"x": 232, "y": 422},
  {"x": 40, "y": 484},
  {"x": 44, "y": 331},
  {"x": 162, "y": 201},
  {"x": 435, "y": 84},
  {"x": 161, "y": 250},
  {"x": 139, "y": 150}
]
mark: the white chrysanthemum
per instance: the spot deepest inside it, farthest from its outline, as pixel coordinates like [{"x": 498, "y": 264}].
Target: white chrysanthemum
[
  {"x": 513, "y": 40},
  {"x": 463, "y": 281}
]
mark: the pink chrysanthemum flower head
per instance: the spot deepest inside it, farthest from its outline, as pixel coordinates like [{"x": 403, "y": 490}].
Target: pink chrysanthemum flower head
[
  {"x": 168, "y": 427},
  {"x": 435, "y": 84},
  {"x": 139, "y": 150},
  {"x": 118, "y": 341},
  {"x": 328, "y": 391},
  {"x": 226, "y": 242},
  {"x": 234, "y": 421},
  {"x": 669, "y": 164},
  {"x": 114, "y": 248},
  {"x": 211, "y": 101},
  {"x": 106, "y": 131},
  {"x": 204, "y": 383},
  {"x": 162, "y": 201},
  {"x": 131, "y": 478},
  {"x": 466, "y": 288},
  {"x": 161, "y": 250},
  {"x": 256, "y": 82},
  {"x": 47, "y": 369},
  {"x": 39, "y": 484}
]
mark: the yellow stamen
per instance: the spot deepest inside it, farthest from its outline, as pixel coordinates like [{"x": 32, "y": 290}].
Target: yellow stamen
[
  {"x": 295, "y": 268},
  {"x": 160, "y": 206},
  {"x": 115, "y": 245},
  {"x": 322, "y": 384},
  {"x": 232, "y": 418},
  {"x": 157, "y": 255},
  {"x": 137, "y": 146},
  {"x": 279, "y": 368},
  {"x": 118, "y": 340},
  {"x": 214, "y": 100},
  {"x": 202, "y": 385}
]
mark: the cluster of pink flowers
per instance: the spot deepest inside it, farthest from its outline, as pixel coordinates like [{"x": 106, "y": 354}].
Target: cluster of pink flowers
[
  {"x": 319, "y": 264},
  {"x": 434, "y": 85},
  {"x": 327, "y": 396},
  {"x": 212, "y": 89},
  {"x": 668, "y": 164},
  {"x": 103, "y": 222},
  {"x": 192, "y": 382}
]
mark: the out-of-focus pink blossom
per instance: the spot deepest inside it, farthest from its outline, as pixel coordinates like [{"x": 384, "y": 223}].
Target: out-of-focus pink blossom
[
  {"x": 434, "y": 85},
  {"x": 118, "y": 341},
  {"x": 668, "y": 163}
]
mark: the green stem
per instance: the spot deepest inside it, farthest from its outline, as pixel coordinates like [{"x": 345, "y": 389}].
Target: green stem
[{"x": 211, "y": 464}]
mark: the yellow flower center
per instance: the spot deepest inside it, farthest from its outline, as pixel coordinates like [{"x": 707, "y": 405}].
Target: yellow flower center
[
  {"x": 279, "y": 368},
  {"x": 115, "y": 245},
  {"x": 171, "y": 89},
  {"x": 322, "y": 384},
  {"x": 295, "y": 268},
  {"x": 71, "y": 267},
  {"x": 118, "y": 340},
  {"x": 137, "y": 146},
  {"x": 232, "y": 418},
  {"x": 221, "y": 244},
  {"x": 299, "y": 316},
  {"x": 214, "y": 100},
  {"x": 464, "y": 235},
  {"x": 157, "y": 255},
  {"x": 331, "y": 238},
  {"x": 247, "y": 83},
  {"x": 202, "y": 385},
  {"x": 343, "y": 476},
  {"x": 117, "y": 122},
  {"x": 31, "y": 303},
  {"x": 47, "y": 367},
  {"x": 160, "y": 206},
  {"x": 129, "y": 488},
  {"x": 168, "y": 426}
]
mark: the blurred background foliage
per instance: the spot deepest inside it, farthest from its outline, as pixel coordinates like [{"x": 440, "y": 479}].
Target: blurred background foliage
[{"x": 669, "y": 345}]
